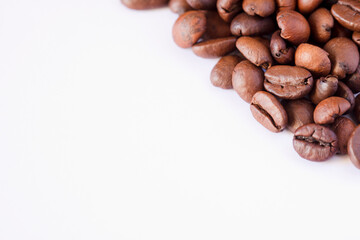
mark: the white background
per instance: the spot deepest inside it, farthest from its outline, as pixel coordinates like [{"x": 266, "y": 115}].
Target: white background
[{"x": 108, "y": 130}]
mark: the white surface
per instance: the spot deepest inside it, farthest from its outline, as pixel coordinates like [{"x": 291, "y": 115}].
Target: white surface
[{"x": 110, "y": 131}]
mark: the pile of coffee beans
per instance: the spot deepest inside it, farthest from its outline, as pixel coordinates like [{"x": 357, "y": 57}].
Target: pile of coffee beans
[{"x": 296, "y": 62}]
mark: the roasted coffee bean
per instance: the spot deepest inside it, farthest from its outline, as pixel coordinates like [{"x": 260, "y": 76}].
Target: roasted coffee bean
[
  {"x": 354, "y": 147},
  {"x": 347, "y": 13},
  {"x": 247, "y": 79},
  {"x": 188, "y": 28},
  {"x": 353, "y": 81},
  {"x": 324, "y": 87},
  {"x": 286, "y": 4},
  {"x": 329, "y": 109},
  {"x": 294, "y": 27},
  {"x": 321, "y": 22},
  {"x": 343, "y": 128},
  {"x": 228, "y": 9},
  {"x": 280, "y": 50},
  {"x": 246, "y": 25},
  {"x": 221, "y": 74},
  {"x": 288, "y": 82},
  {"x": 264, "y": 41},
  {"x": 216, "y": 27},
  {"x": 179, "y": 6},
  {"x": 344, "y": 56},
  {"x": 215, "y": 48},
  {"x": 262, "y": 8},
  {"x": 255, "y": 51},
  {"x": 340, "y": 31},
  {"x": 144, "y": 4},
  {"x": 356, "y": 38},
  {"x": 268, "y": 111},
  {"x": 299, "y": 112},
  {"x": 345, "y": 92},
  {"x": 202, "y": 4},
  {"x": 315, "y": 142},
  {"x": 307, "y": 6},
  {"x": 357, "y": 109},
  {"x": 313, "y": 58}
]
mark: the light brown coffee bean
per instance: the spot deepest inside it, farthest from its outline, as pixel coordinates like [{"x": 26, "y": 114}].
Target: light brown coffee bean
[
  {"x": 262, "y": 8},
  {"x": 280, "y": 50},
  {"x": 221, "y": 74},
  {"x": 321, "y": 22},
  {"x": 215, "y": 48},
  {"x": 329, "y": 109},
  {"x": 347, "y": 13},
  {"x": 228, "y": 9},
  {"x": 307, "y": 6},
  {"x": 324, "y": 87}
]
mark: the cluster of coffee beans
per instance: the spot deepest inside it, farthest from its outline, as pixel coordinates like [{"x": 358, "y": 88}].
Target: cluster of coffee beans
[{"x": 296, "y": 62}]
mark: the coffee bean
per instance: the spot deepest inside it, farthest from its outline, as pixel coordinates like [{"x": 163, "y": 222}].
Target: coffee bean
[
  {"x": 264, "y": 41},
  {"x": 299, "y": 112},
  {"x": 357, "y": 109},
  {"x": 221, "y": 74},
  {"x": 315, "y": 142},
  {"x": 228, "y": 9},
  {"x": 345, "y": 92},
  {"x": 324, "y": 87},
  {"x": 216, "y": 27},
  {"x": 262, "y": 8},
  {"x": 307, "y": 6},
  {"x": 215, "y": 48},
  {"x": 353, "y": 80},
  {"x": 255, "y": 51},
  {"x": 280, "y": 50},
  {"x": 247, "y": 79},
  {"x": 354, "y": 147},
  {"x": 321, "y": 22},
  {"x": 313, "y": 58},
  {"x": 347, "y": 13},
  {"x": 286, "y": 4},
  {"x": 179, "y": 6},
  {"x": 268, "y": 111},
  {"x": 294, "y": 27},
  {"x": 144, "y": 4},
  {"x": 288, "y": 82},
  {"x": 344, "y": 56},
  {"x": 340, "y": 31},
  {"x": 329, "y": 109},
  {"x": 246, "y": 25},
  {"x": 343, "y": 128},
  {"x": 202, "y": 4}
]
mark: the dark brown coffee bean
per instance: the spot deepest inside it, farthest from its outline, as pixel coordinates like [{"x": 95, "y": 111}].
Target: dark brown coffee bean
[
  {"x": 179, "y": 6},
  {"x": 255, "y": 51},
  {"x": 294, "y": 27},
  {"x": 268, "y": 111},
  {"x": 321, "y": 22},
  {"x": 215, "y": 48},
  {"x": 313, "y": 58},
  {"x": 340, "y": 31},
  {"x": 353, "y": 81},
  {"x": 344, "y": 56},
  {"x": 354, "y": 147},
  {"x": 216, "y": 27},
  {"x": 246, "y": 25},
  {"x": 286, "y": 4},
  {"x": 188, "y": 28},
  {"x": 280, "y": 50},
  {"x": 345, "y": 92},
  {"x": 356, "y": 38},
  {"x": 202, "y": 4},
  {"x": 307, "y": 6},
  {"x": 288, "y": 82},
  {"x": 343, "y": 128},
  {"x": 247, "y": 79},
  {"x": 262, "y": 8},
  {"x": 329, "y": 109},
  {"x": 221, "y": 74},
  {"x": 144, "y": 4},
  {"x": 315, "y": 142},
  {"x": 324, "y": 87},
  {"x": 347, "y": 13},
  {"x": 299, "y": 112},
  {"x": 228, "y": 9},
  {"x": 357, "y": 109}
]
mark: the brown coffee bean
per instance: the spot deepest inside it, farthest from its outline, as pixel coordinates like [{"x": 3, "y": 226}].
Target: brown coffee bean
[
  {"x": 315, "y": 142},
  {"x": 353, "y": 80},
  {"x": 356, "y": 38},
  {"x": 294, "y": 27},
  {"x": 324, "y": 87},
  {"x": 247, "y": 79},
  {"x": 286, "y": 4},
  {"x": 188, "y": 28},
  {"x": 299, "y": 112},
  {"x": 268, "y": 111},
  {"x": 202, "y": 4},
  {"x": 288, "y": 82},
  {"x": 354, "y": 147},
  {"x": 344, "y": 56},
  {"x": 246, "y": 25},
  {"x": 179, "y": 6},
  {"x": 307, "y": 6},
  {"x": 340, "y": 31},
  {"x": 144, "y": 4},
  {"x": 347, "y": 13},
  {"x": 262, "y": 8},
  {"x": 343, "y": 128},
  {"x": 357, "y": 109},
  {"x": 280, "y": 50},
  {"x": 345, "y": 92},
  {"x": 321, "y": 22},
  {"x": 221, "y": 74},
  {"x": 216, "y": 27},
  {"x": 228, "y": 9},
  {"x": 264, "y": 41},
  {"x": 255, "y": 51},
  {"x": 215, "y": 48},
  {"x": 313, "y": 58},
  {"x": 329, "y": 109}
]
